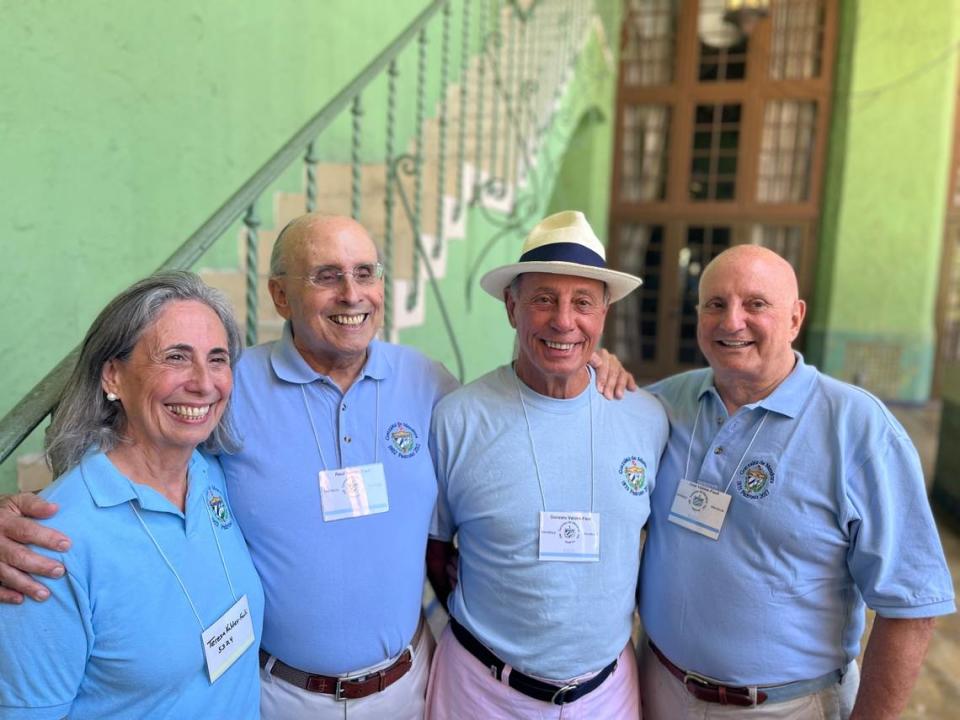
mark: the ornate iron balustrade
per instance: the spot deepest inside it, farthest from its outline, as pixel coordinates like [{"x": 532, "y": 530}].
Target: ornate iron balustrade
[{"x": 514, "y": 59}]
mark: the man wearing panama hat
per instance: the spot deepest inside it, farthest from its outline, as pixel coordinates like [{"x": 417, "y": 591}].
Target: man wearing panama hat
[{"x": 546, "y": 486}]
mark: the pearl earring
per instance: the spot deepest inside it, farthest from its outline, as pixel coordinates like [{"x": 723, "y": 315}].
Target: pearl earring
[{"x": 112, "y": 397}]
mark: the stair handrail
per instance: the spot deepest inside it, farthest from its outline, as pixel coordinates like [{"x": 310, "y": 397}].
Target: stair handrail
[{"x": 39, "y": 402}]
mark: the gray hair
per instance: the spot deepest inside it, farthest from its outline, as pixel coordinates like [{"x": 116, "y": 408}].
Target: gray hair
[{"x": 83, "y": 416}]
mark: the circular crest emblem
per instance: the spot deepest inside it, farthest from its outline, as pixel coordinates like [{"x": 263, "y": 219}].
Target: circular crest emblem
[
  {"x": 218, "y": 508},
  {"x": 569, "y": 532},
  {"x": 755, "y": 480},
  {"x": 633, "y": 475},
  {"x": 403, "y": 440},
  {"x": 697, "y": 500}
]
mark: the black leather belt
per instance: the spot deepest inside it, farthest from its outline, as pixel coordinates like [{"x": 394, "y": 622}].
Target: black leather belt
[{"x": 529, "y": 686}]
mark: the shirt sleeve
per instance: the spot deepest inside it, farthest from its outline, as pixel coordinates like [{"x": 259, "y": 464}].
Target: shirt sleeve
[
  {"x": 44, "y": 652},
  {"x": 895, "y": 555},
  {"x": 441, "y": 524}
]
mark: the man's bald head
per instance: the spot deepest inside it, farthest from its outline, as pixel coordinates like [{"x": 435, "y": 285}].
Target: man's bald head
[
  {"x": 754, "y": 259},
  {"x": 314, "y": 227}
]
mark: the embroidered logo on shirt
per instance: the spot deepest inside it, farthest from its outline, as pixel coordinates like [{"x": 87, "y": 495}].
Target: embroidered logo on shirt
[
  {"x": 633, "y": 475},
  {"x": 755, "y": 480},
  {"x": 403, "y": 439},
  {"x": 218, "y": 508}
]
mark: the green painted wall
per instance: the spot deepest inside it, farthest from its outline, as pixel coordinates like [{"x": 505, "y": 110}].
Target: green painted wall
[
  {"x": 125, "y": 125},
  {"x": 880, "y": 238}
]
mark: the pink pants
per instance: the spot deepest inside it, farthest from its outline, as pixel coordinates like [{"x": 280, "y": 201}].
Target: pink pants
[{"x": 460, "y": 688}]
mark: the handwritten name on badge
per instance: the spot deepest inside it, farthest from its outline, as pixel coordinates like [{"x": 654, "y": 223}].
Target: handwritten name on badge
[{"x": 227, "y": 638}]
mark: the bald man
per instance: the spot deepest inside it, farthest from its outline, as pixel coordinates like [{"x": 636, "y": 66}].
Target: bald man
[{"x": 786, "y": 501}]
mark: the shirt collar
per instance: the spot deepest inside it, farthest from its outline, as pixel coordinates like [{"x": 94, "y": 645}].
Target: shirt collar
[
  {"x": 786, "y": 399},
  {"x": 109, "y": 487},
  {"x": 290, "y": 366}
]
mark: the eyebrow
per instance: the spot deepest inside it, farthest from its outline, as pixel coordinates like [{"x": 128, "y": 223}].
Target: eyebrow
[{"x": 183, "y": 347}]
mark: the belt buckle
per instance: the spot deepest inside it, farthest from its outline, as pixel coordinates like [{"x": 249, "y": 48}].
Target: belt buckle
[
  {"x": 699, "y": 680},
  {"x": 338, "y": 691},
  {"x": 561, "y": 691}
]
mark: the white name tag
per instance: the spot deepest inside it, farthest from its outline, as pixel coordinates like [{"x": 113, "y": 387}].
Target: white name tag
[
  {"x": 227, "y": 639},
  {"x": 699, "y": 508},
  {"x": 570, "y": 536},
  {"x": 353, "y": 492}
]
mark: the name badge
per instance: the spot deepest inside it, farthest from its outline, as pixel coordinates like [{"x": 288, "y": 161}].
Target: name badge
[
  {"x": 227, "y": 639},
  {"x": 699, "y": 508},
  {"x": 353, "y": 492},
  {"x": 570, "y": 536}
]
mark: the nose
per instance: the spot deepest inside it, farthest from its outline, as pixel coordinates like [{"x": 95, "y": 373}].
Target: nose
[
  {"x": 349, "y": 289},
  {"x": 201, "y": 381},
  {"x": 562, "y": 319},
  {"x": 732, "y": 318}
]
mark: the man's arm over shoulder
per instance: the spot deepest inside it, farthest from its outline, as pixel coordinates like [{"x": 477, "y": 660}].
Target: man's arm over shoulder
[{"x": 18, "y": 529}]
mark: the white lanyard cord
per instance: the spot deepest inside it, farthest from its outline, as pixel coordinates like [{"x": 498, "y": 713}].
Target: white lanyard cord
[
  {"x": 174, "y": 570},
  {"x": 693, "y": 436},
  {"x": 749, "y": 445},
  {"x": 696, "y": 421},
  {"x": 533, "y": 449},
  {"x": 316, "y": 436}
]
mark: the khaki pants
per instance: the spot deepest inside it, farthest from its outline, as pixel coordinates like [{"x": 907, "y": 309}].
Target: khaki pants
[
  {"x": 404, "y": 700},
  {"x": 665, "y": 698}
]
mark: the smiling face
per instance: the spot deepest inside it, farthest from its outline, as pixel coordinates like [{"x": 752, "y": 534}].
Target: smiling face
[
  {"x": 559, "y": 320},
  {"x": 332, "y": 326},
  {"x": 175, "y": 385},
  {"x": 749, "y": 314}
]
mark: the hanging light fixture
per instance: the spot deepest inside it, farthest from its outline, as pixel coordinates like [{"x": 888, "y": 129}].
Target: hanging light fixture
[{"x": 745, "y": 14}]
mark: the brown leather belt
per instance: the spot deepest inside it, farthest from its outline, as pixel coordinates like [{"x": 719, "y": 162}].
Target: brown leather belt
[
  {"x": 710, "y": 691},
  {"x": 346, "y": 688},
  {"x": 703, "y": 689}
]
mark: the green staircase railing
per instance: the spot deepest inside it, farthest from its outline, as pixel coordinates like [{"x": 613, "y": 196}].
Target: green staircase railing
[{"x": 524, "y": 49}]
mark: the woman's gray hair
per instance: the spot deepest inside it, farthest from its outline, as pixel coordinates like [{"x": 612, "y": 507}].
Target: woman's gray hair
[{"x": 83, "y": 416}]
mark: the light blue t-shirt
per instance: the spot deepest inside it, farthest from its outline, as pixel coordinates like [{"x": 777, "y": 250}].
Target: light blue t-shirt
[
  {"x": 828, "y": 510},
  {"x": 117, "y": 638},
  {"x": 556, "y": 620},
  {"x": 345, "y": 594}
]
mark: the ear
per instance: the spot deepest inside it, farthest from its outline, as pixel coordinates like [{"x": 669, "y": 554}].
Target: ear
[
  {"x": 798, "y": 313},
  {"x": 110, "y": 377},
  {"x": 278, "y": 294},
  {"x": 511, "y": 306}
]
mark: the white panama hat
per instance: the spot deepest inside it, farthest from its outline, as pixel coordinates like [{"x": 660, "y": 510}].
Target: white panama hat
[{"x": 562, "y": 244}]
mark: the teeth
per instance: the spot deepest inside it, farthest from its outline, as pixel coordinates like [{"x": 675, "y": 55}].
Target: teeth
[
  {"x": 349, "y": 319},
  {"x": 558, "y": 346},
  {"x": 189, "y": 411},
  {"x": 735, "y": 343}
]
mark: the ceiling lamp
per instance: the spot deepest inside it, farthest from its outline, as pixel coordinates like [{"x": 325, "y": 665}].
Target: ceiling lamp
[{"x": 745, "y": 14}]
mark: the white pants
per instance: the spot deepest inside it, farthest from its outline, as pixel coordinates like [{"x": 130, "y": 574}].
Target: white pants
[
  {"x": 404, "y": 700},
  {"x": 665, "y": 698}
]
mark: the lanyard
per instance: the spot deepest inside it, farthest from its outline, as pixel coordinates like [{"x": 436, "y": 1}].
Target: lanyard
[
  {"x": 174, "y": 570},
  {"x": 693, "y": 435},
  {"x": 316, "y": 436},
  {"x": 533, "y": 449}
]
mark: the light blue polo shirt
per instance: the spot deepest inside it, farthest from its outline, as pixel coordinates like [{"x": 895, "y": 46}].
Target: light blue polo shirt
[
  {"x": 117, "y": 638},
  {"x": 556, "y": 620},
  {"x": 344, "y": 594},
  {"x": 828, "y": 512}
]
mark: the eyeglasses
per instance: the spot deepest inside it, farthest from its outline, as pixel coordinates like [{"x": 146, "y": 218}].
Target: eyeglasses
[{"x": 330, "y": 276}]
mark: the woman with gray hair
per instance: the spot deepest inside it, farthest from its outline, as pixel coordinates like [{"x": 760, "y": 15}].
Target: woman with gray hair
[{"x": 161, "y": 610}]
